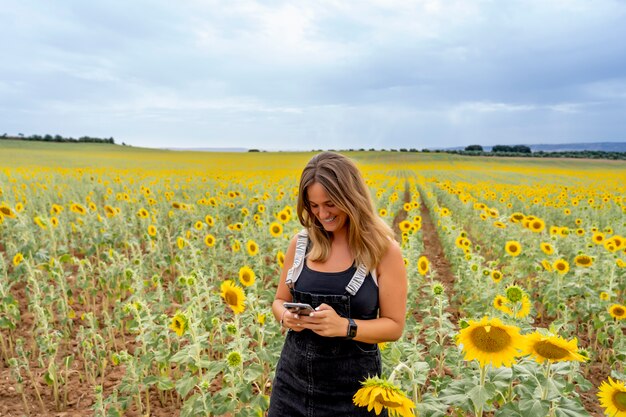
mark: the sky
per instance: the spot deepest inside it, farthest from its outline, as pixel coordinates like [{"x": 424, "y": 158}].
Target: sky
[{"x": 324, "y": 74}]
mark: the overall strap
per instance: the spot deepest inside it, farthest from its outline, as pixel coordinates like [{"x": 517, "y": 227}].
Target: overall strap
[
  {"x": 298, "y": 261},
  {"x": 357, "y": 280}
]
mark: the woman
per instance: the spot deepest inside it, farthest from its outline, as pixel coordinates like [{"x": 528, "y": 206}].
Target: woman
[{"x": 347, "y": 266}]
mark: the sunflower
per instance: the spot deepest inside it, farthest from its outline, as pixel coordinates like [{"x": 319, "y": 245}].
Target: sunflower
[
  {"x": 404, "y": 225},
  {"x": 77, "y": 208},
  {"x": 561, "y": 266},
  {"x": 583, "y": 260},
  {"x": 283, "y": 216},
  {"x": 276, "y": 229},
  {"x": 180, "y": 242},
  {"x": 143, "y": 213},
  {"x": 252, "y": 247},
  {"x": 198, "y": 225},
  {"x": 109, "y": 211},
  {"x": 597, "y": 237},
  {"x": 179, "y": 324},
  {"x": 423, "y": 265},
  {"x": 612, "y": 395},
  {"x": 246, "y": 276},
  {"x": 382, "y": 212},
  {"x": 500, "y": 302},
  {"x": 496, "y": 275},
  {"x": 516, "y": 217},
  {"x": 233, "y": 295},
  {"x": 604, "y": 296},
  {"x": 499, "y": 225},
  {"x": 54, "y": 221},
  {"x": 551, "y": 348},
  {"x": 537, "y": 225},
  {"x": 209, "y": 240},
  {"x": 236, "y": 246},
  {"x": 378, "y": 393},
  {"x": 280, "y": 258},
  {"x": 18, "y": 258},
  {"x": 152, "y": 230},
  {"x": 513, "y": 248},
  {"x": 39, "y": 222},
  {"x": 547, "y": 248},
  {"x": 490, "y": 341},
  {"x": 546, "y": 265},
  {"x": 616, "y": 311},
  {"x": 524, "y": 308}
]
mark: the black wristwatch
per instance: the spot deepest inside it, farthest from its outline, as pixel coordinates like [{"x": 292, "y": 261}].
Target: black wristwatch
[{"x": 351, "y": 329}]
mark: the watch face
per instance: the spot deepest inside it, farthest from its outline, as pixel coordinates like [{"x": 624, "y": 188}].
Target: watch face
[{"x": 352, "y": 328}]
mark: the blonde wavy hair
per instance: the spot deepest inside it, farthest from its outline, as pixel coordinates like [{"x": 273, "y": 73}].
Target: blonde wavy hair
[{"x": 368, "y": 235}]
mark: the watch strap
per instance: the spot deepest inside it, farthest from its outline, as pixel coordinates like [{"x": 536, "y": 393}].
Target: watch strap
[{"x": 352, "y": 328}]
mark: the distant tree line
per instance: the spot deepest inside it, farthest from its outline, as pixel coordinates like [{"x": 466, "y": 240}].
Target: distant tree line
[
  {"x": 58, "y": 138},
  {"x": 502, "y": 151}
]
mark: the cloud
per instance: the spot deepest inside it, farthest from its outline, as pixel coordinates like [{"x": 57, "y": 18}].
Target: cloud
[{"x": 330, "y": 72}]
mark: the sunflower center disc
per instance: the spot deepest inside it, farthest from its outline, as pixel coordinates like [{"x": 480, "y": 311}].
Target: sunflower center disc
[
  {"x": 619, "y": 311},
  {"x": 619, "y": 400},
  {"x": 231, "y": 298},
  {"x": 495, "y": 340},
  {"x": 550, "y": 351}
]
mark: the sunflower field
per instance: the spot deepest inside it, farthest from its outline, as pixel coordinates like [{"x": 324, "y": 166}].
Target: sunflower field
[{"x": 138, "y": 282}]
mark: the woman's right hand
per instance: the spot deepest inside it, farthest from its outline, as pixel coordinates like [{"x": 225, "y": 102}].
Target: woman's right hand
[{"x": 292, "y": 321}]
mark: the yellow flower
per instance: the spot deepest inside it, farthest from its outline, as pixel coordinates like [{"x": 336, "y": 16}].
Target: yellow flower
[
  {"x": 496, "y": 275},
  {"x": 276, "y": 229},
  {"x": 260, "y": 318},
  {"x": 552, "y": 348},
  {"x": 501, "y": 303},
  {"x": 561, "y": 266},
  {"x": 382, "y": 212},
  {"x": 233, "y": 295},
  {"x": 39, "y": 222},
  {"x": 143, "y": 213},
  {"x": 180, "y": 242},
  {"x": 283, "y": 216},
  {"x": 54, "y": 221},
  {"x": 616, "y": 311},
  {"x": 404, "y": 225},
  {"x": 110, "y": 211},
  {"x": 17, "y": 259},
  {"x": 152, "y": 230},
  {"x": 280, "y": 258},
  {"x": 547, "y": 248},
  {"x": 583, "y": 260},
  {"x": 490, "y": 341},
  {"x": 246, "y": 276},
  {"x": 209, "y": 240},
  {"x": 513, "y": 248},
  {"x": 423, "y": 265},
  {"x": 252, "y": 247},
  {"x": 77, "y": 208},
  {"x": 612, "y": 395},
  {"x": 209, "y": 220},
  {"x": 179, "y": 324},
  {"x": 546, "y": 265},
  {"x": 236, "y": 246},
  {"x": 378, "y": 393},
  {"x": 536, "y": 225},
  {"x": 198, "y": 225},
  {"x": 524, "y": 308},
  {"x": 597, "y": 237}
]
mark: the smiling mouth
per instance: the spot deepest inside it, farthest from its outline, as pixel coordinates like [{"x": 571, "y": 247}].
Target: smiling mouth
[{"x": 329, "y": 220}]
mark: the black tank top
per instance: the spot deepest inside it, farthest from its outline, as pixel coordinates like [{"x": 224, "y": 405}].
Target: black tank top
[{"x": 363, "y": 305}]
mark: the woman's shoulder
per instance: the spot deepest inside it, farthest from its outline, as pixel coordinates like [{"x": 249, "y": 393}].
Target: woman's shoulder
[{"x": 391, "y": 259}]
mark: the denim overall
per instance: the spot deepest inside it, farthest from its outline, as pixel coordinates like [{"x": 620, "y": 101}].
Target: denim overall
[{"x": 317, "y": 376}]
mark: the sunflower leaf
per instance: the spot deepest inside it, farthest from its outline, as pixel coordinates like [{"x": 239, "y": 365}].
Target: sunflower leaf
[{"x": 533, "y": 407}]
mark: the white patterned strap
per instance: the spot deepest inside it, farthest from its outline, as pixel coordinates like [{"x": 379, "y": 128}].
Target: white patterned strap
[
  {"x": 298, "y": 261},
  {"x": 357, "y": 280}
]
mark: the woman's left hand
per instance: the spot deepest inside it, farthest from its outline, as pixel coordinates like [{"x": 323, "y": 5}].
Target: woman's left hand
[{"x": 326, "y": 322}]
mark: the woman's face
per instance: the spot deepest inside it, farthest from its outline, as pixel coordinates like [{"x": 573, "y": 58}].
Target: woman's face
[{"x": 330, "y": 216}]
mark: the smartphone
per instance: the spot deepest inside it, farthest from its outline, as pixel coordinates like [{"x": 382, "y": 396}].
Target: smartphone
[{"x": 299, "y": 308}]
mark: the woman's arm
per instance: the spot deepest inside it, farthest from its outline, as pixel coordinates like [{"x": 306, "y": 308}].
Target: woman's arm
[
  {"x": 392, "y": 293},
  {"x": 282, "y": 291}
]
